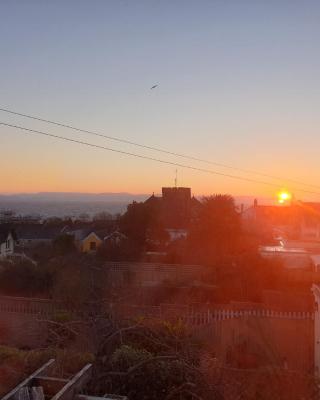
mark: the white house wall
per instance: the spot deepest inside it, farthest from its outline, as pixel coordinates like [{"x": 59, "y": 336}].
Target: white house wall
[{"x": 7, "y": 248}]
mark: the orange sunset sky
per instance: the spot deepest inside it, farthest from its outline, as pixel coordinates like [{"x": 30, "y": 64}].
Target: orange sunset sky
[{"x": 237, "y": 84}]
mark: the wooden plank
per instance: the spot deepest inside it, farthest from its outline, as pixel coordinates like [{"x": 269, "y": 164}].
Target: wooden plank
[
  {"x": 22, "y": 394},
  {"x": 75, "y": 384},
  {"x": 50, "y": 385},
  {"x": 51, "y": 378},
  {"x": 37, "y": 393},
  {"x": 28, "y": 380}
]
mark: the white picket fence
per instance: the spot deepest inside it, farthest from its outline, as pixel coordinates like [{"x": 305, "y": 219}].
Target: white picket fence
[
  {"x": 24, "y": 305},
  {"x": 204, "y": 317},
  {"x": 164, "y": 311},
  {"x": 209, "y": 316}
]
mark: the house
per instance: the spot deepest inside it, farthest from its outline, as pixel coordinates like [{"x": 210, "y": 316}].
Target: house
[
  {"x": 114, "y": 238},
  {"x": 7, "y": 241},
  {"x": 32, "y": 235},
  {"x": 86, "y": 240},
  {"x": 298, "y": 220},
  {"x": 176, "y": 205},
  {"x": 295, "y": 228},
  {"x": 90, "y": 243},
  {"x": 273, "y": 219}
]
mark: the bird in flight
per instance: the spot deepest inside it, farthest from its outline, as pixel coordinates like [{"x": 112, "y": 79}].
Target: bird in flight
[{"x": 153, "y": 87}]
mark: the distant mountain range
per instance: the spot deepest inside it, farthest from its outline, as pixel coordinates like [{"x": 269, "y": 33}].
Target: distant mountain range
[
  {"x": 61, "y": 204},
  {"x": 67, "y": 196}
]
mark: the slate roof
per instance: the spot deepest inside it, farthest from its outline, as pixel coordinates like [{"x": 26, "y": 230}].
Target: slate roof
[
  {"x": 115, "y": 235},
  {"x": 81, "y": 234},
  {"x": 37, "y": 231}
]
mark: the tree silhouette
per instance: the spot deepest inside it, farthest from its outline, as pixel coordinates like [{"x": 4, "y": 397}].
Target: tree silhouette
[{"x": 216, "y": 231}]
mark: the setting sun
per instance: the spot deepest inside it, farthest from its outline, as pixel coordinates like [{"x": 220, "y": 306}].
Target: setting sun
[{"x": 284, "y": 196}]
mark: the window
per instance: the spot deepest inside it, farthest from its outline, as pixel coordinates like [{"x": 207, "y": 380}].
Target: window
[{"x": 93, "y": 246}]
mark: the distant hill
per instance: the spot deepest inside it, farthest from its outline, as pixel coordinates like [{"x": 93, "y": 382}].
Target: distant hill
[
  {"x": 67, "y": 196},
  {"x": 61, "y": 204}
]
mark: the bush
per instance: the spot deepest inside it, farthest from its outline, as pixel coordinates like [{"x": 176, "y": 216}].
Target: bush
[{"x": 24, "y": 278}]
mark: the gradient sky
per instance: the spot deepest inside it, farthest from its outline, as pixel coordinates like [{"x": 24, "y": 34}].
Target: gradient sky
[{"x": 238, "y": 84}]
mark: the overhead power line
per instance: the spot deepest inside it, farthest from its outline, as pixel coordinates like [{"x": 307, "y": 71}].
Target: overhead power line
[
  {"x": 157, "y": 149},
  {"x": 190, "y": 167}
]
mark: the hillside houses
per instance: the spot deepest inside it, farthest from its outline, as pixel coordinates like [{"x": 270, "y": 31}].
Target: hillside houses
[
  {"x": 296, "y": 221},
  {"x": 15, "y": 239},
  {"x": 88, "y": 240},
  {"x": 291, "y": 232},
  {"x": 270, "y": 219},
  {"x": 19, "y": 238}
]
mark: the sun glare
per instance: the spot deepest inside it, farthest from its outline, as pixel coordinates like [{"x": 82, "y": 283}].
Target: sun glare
[{"x": 284, "y": 196}]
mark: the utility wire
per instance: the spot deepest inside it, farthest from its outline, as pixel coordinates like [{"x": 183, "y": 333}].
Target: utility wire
[
  {"x": 33, "y": 131},
  {"x": 164, "y": 151}
]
